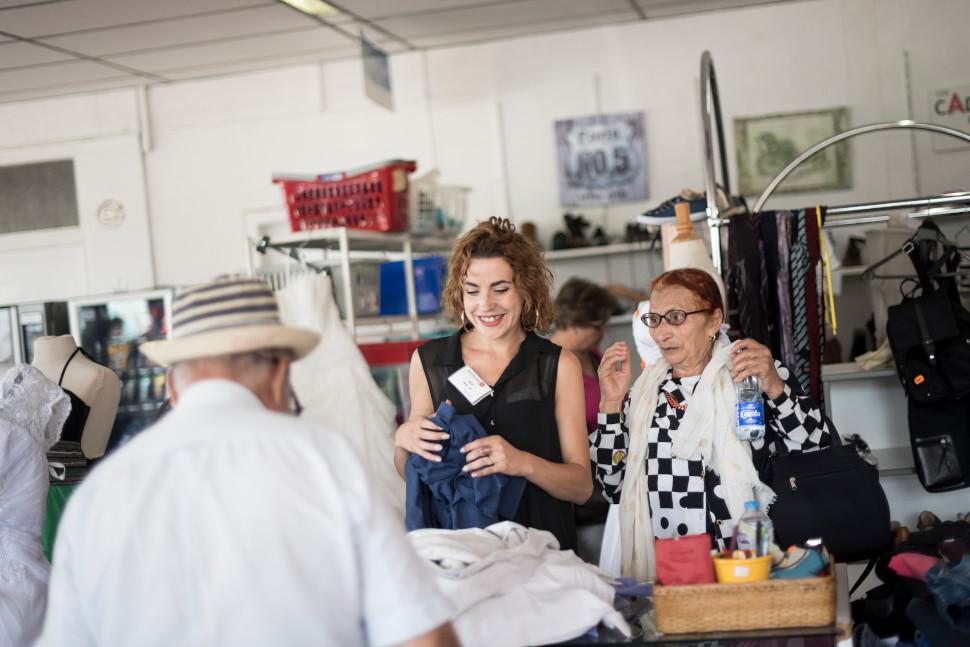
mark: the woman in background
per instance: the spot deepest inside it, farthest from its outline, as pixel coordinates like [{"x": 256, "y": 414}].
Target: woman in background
[{"x": 583, "y": 310}]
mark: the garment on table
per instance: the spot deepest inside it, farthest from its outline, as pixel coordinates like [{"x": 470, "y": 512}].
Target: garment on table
[
  {"x": 691, "y": 484},
  {"x": 32, "y": 413},
  {"x": 522, "y": 411},
  {"x": 950, "y": 586},
  {"x": 442, "y": 495},
  {"x": 334, "y": 383},
  {"x": 512, "y": 586},
  {"x": 228, "y": 524}
]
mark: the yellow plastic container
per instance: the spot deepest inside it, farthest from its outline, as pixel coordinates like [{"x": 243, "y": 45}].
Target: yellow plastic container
[{"x": 736, "y": 571}]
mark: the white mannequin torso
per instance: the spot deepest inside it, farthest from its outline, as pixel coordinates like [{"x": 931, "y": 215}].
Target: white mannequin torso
[{"x": 97, "y": 386}]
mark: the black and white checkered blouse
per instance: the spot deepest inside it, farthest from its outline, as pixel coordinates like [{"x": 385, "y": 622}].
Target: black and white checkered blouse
[{"x": 685, "y": 494}]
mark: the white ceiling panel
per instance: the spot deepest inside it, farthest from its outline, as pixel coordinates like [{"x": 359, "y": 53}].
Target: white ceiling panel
[
  {"x": 62, "y": 89},
  {"x": 74, "y": 15},
  {"x": 8, "y": 4},
  {"x": 493, "y": 17},
  {"x": 161, "y": 40},
  {"x": 391, "y": 8},
  {"x": 184, "y": 31},
  {"x": 665, "y": 8},
  {"x": 255, "y": 47},
  {"x": 513, "y": 31},
  {"x": 20, "y": 54},
  {"x": 26, "y": 78},
  {"x": 259, "y": 63}
]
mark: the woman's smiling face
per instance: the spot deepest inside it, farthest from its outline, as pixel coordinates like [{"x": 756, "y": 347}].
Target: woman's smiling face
[{"x": 490, "y": 300}]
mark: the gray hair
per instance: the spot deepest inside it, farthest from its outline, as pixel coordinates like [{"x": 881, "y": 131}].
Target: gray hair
[{"x": 249, "y": 369}]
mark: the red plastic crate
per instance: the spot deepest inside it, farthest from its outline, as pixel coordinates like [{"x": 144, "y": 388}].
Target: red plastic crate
[
  {"x": 374, "y": 198},
  {"x": 389, "y": 353}
]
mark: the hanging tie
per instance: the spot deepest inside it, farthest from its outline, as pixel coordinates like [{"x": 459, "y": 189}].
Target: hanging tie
[{"x": 827, "y": 269}]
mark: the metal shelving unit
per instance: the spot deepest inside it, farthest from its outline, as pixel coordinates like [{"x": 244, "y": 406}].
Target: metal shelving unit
[{"x": 347, "y": 243}]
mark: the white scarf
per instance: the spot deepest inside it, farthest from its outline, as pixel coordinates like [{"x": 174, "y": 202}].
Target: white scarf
[{"x": 707, "y": 429}]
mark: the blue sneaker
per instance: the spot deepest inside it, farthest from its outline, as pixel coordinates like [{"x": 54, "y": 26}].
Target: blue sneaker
[{"x": 665, "y": 212}]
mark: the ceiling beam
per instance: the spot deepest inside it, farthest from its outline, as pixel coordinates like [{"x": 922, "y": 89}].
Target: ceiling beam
[{"x": 636, "y": 7}]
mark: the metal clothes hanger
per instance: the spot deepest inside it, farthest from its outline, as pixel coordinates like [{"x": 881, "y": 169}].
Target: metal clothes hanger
[
  {"x": 908, "y": 247},
  {"x": 293, "y": 253}
]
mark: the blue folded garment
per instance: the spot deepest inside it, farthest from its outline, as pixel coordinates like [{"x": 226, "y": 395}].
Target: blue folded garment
[{"x": 441, "y": 495}]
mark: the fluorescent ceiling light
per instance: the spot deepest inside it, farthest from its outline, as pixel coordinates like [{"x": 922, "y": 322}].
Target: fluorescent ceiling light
[{"x": 313, "y": 7}]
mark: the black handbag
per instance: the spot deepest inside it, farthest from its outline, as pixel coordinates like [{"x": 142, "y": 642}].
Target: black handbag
[
  {"x": 831, "y": 493},
  {"x": 929, "y": 333}
]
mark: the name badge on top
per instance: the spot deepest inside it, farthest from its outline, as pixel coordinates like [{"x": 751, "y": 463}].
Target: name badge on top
[{"x": 470, "y": 385}]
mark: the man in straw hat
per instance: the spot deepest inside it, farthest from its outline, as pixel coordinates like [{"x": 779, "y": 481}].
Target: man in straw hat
[{"x": 230, "y": 521}]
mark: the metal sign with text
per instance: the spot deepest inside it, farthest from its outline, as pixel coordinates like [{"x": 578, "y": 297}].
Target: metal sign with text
[
  {"x": 950, "y": 106},
  {"x": 602, "y": 159}
]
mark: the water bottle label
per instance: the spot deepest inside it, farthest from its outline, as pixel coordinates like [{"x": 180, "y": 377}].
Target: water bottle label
[{"x": 751, "y": 414}]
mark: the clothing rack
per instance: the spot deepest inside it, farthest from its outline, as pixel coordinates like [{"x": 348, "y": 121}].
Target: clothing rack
[{"x": 839, "y": 216}]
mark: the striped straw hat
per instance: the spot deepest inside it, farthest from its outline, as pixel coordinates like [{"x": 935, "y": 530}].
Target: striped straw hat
[{"x": 224, "y": 317}]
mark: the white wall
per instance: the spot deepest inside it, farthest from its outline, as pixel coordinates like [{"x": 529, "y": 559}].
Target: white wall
[
  {"x": 100, "y": 133},
  {"x": 482, "y": 114}
]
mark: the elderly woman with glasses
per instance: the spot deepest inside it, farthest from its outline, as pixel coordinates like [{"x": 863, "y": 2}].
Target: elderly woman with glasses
[{"x": 667, "y": 450}]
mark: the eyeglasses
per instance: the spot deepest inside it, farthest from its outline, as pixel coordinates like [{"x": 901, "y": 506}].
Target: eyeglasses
[{"x": 673, "y": 317}]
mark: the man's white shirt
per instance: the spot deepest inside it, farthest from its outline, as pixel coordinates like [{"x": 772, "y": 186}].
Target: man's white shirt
[{"x": 228, "y": 524}]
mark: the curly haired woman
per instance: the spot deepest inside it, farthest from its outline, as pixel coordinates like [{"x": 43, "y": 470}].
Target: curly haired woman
[{"x": 498, "y": 289}]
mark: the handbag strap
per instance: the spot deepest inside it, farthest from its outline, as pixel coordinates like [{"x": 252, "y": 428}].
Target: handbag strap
[
  {"x": 928, "y": 346},
  {"x": 865, "y": 573}
]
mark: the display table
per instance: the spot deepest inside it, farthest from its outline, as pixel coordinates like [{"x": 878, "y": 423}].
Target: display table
[{"x": 797, "y": 637}]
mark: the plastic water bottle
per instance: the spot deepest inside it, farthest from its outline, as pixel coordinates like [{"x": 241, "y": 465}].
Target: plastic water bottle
[
  {"x": 754, "y": 531},
  {"x": 750, "y": 422}
]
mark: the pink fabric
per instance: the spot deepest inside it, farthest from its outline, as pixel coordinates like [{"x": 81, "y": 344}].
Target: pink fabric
[
  {"x": 591, "y": 389},
  {"x": 912, "y": 565}
]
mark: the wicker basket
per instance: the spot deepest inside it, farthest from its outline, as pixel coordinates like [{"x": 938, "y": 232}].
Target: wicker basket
[{"x": 770, "y": 604}]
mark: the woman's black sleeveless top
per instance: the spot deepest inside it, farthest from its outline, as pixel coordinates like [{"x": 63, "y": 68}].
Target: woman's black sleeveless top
[{"x": 522, "y": 410}]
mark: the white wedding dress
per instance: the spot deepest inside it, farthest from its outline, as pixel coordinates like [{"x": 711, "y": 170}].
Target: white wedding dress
[
  {"x": 335, "y": 386},
  {"x": 32, "y": 413}
]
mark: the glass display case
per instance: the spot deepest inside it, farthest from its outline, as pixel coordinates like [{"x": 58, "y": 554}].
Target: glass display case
[
  {"x": 111, "y": 329},
  {"x": 40, "y": 320},
  {"x": 21, "y": 325}
]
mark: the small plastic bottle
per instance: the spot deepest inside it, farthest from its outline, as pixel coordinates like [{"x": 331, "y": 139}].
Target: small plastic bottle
[
  {"x": 754, "y": 531},
  {"x": 750, "y": 421}
]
